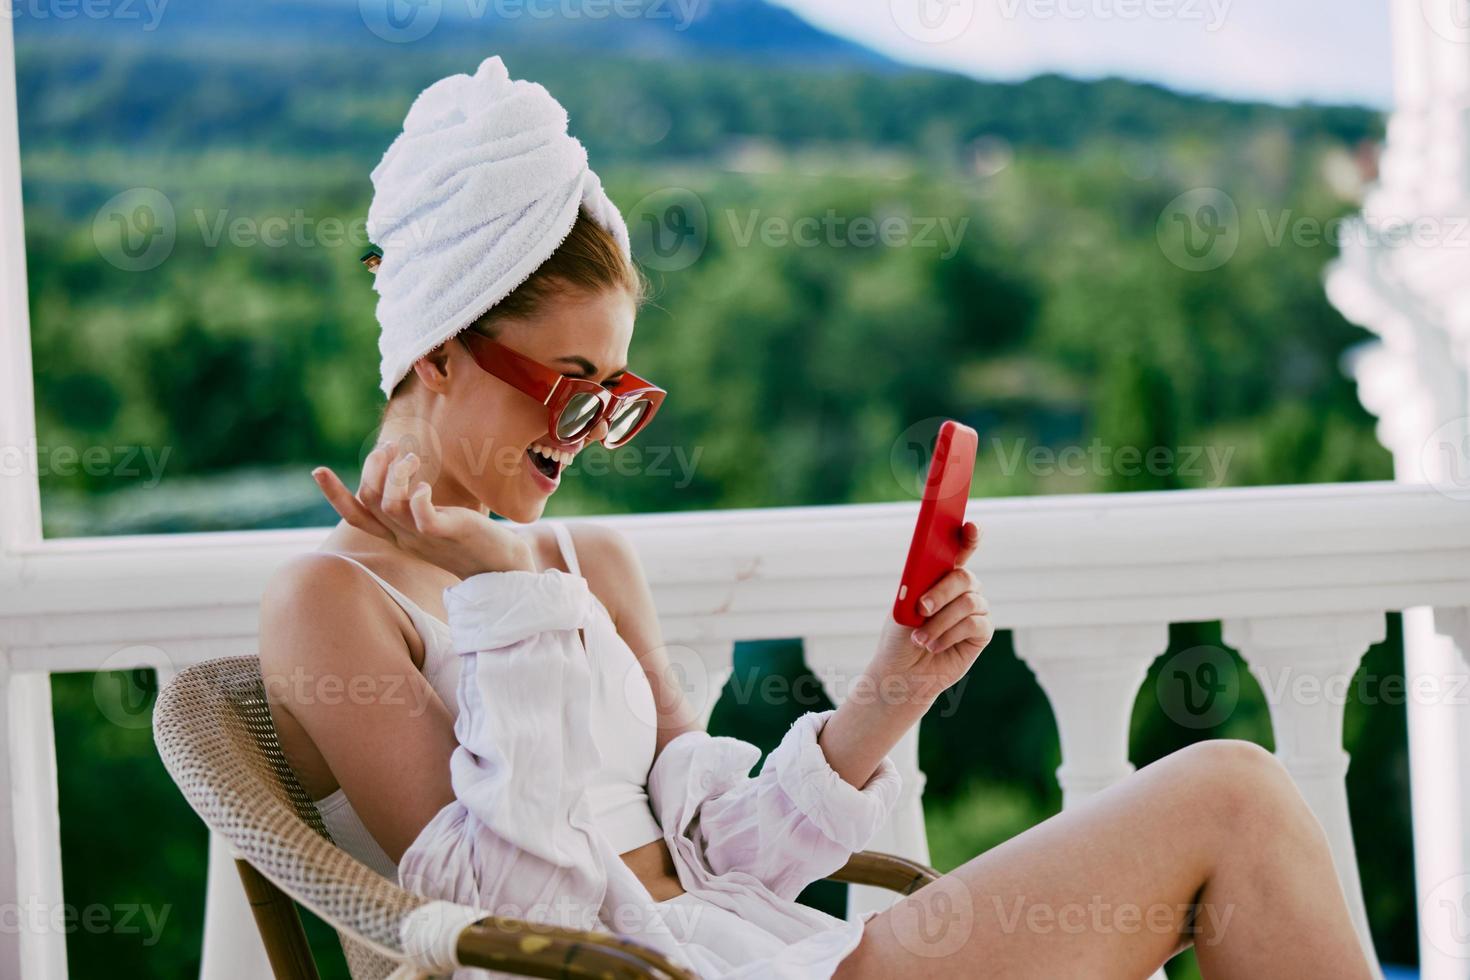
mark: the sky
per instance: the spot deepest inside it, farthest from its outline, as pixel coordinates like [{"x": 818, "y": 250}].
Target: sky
[{"x": 1283, "y": 51}]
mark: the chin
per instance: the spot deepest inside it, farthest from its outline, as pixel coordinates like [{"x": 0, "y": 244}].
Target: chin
[{"x": 521, "y": 511}]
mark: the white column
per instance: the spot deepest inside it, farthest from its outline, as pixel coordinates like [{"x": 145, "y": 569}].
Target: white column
[
  {"x": 1305, "y": 666},
  {"x": 233, "y": 949},
  {"x": 1440, "y": 789},
  {"x": 1091, "y": 676},
  {"x": 837, "y": 661},
  {"x": 30, "y": 832}
]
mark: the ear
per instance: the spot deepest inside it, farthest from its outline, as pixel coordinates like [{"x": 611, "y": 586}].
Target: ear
[{"x": 433, "y": 369}]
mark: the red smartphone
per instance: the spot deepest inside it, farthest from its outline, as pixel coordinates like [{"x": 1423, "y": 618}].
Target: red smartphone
[{"x": 937, "y": 539}]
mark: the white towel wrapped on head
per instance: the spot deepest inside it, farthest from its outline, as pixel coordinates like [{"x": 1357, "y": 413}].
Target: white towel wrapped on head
[{"x": 478, "y": 190}]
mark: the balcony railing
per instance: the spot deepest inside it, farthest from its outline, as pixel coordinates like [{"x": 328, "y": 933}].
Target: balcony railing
[{"x": 1301, "y": 578}]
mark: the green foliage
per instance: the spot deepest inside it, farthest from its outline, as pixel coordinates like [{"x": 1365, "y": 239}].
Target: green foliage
[{"x": 1054, "y": 320}]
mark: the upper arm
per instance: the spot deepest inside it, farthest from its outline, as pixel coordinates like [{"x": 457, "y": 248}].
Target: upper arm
[
  {"x": 632, "y": 609},
  {"x": 338, "y": 672}
]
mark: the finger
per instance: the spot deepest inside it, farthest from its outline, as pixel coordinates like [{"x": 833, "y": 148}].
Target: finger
[
  {"x": 955, "y": 582},
  {"x": 370, "y": 486},
  {"x": 975, "y": 628},
  {"x": 963, "y": 605},
  {"x": 970, "y": 536},
  {"x": 426, "y": 516},
  {"x": 345, "y": 504},
  {"x": 396, "y": 489}
]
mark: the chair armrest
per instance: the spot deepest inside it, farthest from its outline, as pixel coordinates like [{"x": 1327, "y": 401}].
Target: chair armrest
[
  {"x": 890, "y": 871},
  {"x": 536, "y": 950}
]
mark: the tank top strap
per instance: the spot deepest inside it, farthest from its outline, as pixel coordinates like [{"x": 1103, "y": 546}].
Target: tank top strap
[
  {"x": 564, "y": 541},
  {"x": 415, "y": 611}
]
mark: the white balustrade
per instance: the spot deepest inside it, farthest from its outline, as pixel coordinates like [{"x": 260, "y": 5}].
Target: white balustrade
[{"x": 1300, "y": 576}]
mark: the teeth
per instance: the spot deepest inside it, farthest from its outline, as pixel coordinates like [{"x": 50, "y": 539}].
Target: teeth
[{"x": 559, "y": 455}]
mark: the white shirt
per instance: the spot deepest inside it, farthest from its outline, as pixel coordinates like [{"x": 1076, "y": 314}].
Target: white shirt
[{"x": 519, "y": 839}]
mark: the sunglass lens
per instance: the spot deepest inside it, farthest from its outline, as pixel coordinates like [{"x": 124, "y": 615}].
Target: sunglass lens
[
  {"x": 578, "y": 416},
  {"x": 625, "y": 420}
]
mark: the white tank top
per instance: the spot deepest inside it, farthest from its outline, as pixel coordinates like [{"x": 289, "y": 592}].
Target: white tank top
[{"x": 618, "y": 798}]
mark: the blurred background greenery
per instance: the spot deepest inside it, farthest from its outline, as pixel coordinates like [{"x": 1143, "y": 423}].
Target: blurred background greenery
[{"x": 1055, "y": 318}]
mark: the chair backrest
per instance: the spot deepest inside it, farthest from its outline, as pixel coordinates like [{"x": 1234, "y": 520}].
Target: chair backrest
[{"x": 213, "y": 729}]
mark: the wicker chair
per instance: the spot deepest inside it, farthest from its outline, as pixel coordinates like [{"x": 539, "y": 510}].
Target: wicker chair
[{"x": 213, "y": 730}]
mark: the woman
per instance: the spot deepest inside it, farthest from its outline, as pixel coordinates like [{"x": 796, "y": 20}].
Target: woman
[{"x": 485, "y": 711}]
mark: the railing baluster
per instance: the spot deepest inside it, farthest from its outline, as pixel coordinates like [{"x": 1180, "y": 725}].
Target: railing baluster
[
  {"x": 1091, "y": 676},
  {"x": 30, "y": 824},
  {"x": 837, "y": 661},
  {"x": 1305, "y": 666}
]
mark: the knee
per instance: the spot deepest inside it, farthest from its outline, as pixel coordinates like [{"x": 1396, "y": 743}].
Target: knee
[{"x": 1245, "y": 788}]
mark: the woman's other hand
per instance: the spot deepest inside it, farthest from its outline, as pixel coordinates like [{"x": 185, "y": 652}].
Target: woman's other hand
[{"x": 389, "y": 505}]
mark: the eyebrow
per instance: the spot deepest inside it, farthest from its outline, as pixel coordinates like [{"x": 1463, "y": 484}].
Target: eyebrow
[{"x": 588, "y": 368}]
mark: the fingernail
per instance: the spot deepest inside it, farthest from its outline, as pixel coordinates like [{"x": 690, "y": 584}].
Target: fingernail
[
  {"x": 926, "y": 604},
  {"x": 920, "y": 637}
]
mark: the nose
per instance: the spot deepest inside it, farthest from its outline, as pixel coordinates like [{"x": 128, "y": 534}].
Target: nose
[{"x": 598, "y": 433}]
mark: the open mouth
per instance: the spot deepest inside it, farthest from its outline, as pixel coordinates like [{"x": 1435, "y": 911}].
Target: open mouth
[{"x": 549, "y": 465}]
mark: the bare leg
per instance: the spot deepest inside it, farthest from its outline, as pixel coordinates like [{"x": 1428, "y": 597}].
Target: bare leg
[{"x": 1211, "y": 845}]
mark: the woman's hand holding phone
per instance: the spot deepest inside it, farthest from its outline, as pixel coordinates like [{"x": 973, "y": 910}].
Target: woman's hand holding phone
[
  {"x": 462, "y": 541},
  {"x": 927, "y": 660}
]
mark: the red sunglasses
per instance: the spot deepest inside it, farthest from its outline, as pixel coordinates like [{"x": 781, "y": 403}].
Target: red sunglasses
[{"x": 574, "y": 406}]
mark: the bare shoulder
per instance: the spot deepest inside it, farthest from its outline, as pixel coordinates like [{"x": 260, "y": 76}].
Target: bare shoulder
[
  {"x": 612, "y": 568},
  {"x": 315, "y": 596}
]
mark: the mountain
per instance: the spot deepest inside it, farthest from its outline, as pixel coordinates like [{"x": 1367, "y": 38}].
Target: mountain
[{"x": 743, "y": 30}]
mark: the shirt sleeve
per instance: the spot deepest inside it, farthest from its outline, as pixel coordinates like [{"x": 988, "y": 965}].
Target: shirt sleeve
[
  {"x": 794, "y": 823},
  {"x": 517, "y": 838}
]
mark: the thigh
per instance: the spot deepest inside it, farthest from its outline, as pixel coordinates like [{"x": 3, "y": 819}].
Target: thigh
[{"x": 1103, "y": 890}]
